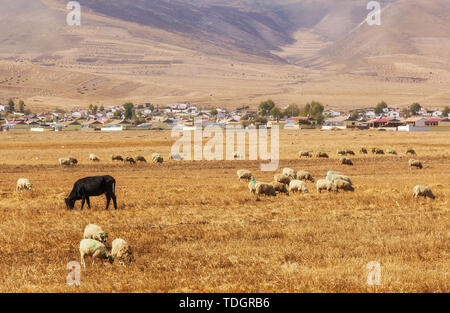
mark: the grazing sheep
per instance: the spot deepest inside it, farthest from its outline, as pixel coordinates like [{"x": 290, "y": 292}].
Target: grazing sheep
[
  {"x": 335, "y": 176},
  {"x": 340, "y": 184},
  {"x": 290, "y": 173},
  {"x": 377, "y": 151},
  {"x": 410, "y": 150},
  {"x": 64, "y": 161},
  {"x": 130, "y": 160},
  {"x": 238, "y": 156},
  {"x": 323, "y": 184},
  {"x": 422, "y": 191},
  {"x": 95, "y": 232},
  {"x": 140, "y": 158},
  {"x": 23, "y": 184},
  {"x": 281, "y": 178},
  {"x": 93, "y": 158},
  {"x": 67, "y": 161},
  {"x": 391, "y": 151},
  {"x": 363, "y": 150},
  {"x": 304, "y": 175},
  {"x": 305, "y": 154},
  {"x": 341, "y": 152},
  {"x": 95, "y": 249},
  {"x": 265, "y": 189},
  {"x": 348, "y": 151},
  {"x": 73, "y": 161},
  {"x": 157, "y": 158},
  {"x": 321, "y": 154},
  {"x": 280, "y": 187},
  {"x": 122, "y": 251},
  {"x": 334, "y": 173},
  {"x": 244, "y": 175},
  {"x": 116, "y": 157},
  {"x": 415, "y": 163},
  {"x": 298, "y": 186},
  {"x": 252, "y": 186},
  {"x": 175, "y": 156},
  {"x": 346, "y": 161}
]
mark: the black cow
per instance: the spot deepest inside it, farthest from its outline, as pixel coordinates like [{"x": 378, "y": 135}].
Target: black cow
[{"x": 92, "y": 187}]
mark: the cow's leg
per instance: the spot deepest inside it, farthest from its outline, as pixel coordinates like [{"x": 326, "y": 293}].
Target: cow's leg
[
  {"x": 108, "y": 200},
  {"x": 88, "y": 203},
  {"x": 114, "y": 201},
  {"x": 83, "y": 199}
]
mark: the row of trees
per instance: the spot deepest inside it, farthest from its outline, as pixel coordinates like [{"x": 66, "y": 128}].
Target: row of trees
[
  {"x": 19, "y": 107},
  {"x": 413, "y": 109},
  {"x": 314, "y": 109}
]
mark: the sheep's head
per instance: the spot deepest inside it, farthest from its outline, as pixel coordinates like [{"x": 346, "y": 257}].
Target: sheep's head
[
  {"x": 103, "y": 236},
  {"x": 110, "y": 258},
  {"x": 29, "y": 186}
]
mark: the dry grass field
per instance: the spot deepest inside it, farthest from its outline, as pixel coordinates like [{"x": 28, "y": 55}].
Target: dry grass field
[{"x": 195, "y": 228}]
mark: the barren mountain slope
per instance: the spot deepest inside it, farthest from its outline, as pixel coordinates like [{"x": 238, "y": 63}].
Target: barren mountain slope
[{"x": 224, "y": 52}]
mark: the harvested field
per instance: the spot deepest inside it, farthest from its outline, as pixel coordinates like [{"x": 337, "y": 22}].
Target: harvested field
[{"x": 195, "y": 228}]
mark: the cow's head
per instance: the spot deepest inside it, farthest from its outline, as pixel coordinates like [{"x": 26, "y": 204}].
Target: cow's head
[{"x": 70, "y": 203}]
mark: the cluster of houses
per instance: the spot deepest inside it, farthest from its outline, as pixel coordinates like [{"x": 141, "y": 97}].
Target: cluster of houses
[
  {"x": 188, "y": 116},
  {"x": 389, "y": 120}
]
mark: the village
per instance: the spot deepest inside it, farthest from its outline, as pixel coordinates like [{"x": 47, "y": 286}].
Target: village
[{"x": 154, "y": 117}]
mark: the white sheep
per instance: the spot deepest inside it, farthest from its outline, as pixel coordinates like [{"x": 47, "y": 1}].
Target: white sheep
[
  {"x": 23, "y": 183},
  {"x": 95, "y": 249},
  {"x": 244, "y": 175},
  {"x": 423, "y": 191},
  {"x": 290, "y": 172},
  {"x": 298, "y": 186},
  {"x": 323, "y": 184},
  {"x": 95, "y": 232},
  {"x": 122, "y": 251},
  {"x": 93, "y": 158},
  {"x": 252, "y": 186}
]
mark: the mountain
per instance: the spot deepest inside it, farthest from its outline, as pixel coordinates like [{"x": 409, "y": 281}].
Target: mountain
[{"x": 224, "y": 52}]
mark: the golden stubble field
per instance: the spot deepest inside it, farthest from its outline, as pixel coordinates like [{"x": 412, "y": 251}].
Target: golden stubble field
[{"x": 195, "y": 228}]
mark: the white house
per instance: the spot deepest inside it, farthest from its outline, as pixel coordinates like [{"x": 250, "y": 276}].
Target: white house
[
  {"x": 76, "y": 115},
  {"x": 331, "y": 113},
  {"x": 2, "y": 108},
  {"x": 393, "y": 114}
]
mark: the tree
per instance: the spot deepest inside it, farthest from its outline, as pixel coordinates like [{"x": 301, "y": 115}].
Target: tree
[
  {"x": 415, "y": 108},
  {"x": 405, "y": 112},
  {"x": 315, "y": 110},
  {"x": 27, "y": 112},
  {"x": 117, "y": 113},
  {"x": 354, "y": 115},
  {"x": 446, "y": 111},
  {"x": 102, "y": 108},
  {"x": 128, "y": 107},
  {"x": 261, "y": 120},
  {"x": 291, "y": 110},
  {"x": 11, "y": 105},
  {"x": 380, "y": 106},
  {"x": 276, "y": 113},
  {"x": 21, "y": 106},
  {"x": 214, "y": 112},
  {"x": 265, "y": 107}
]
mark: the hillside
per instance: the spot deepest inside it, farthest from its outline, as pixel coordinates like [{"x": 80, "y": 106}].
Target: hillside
[{"x": 224, "y": 52}]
